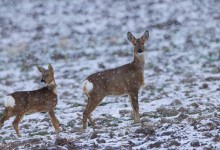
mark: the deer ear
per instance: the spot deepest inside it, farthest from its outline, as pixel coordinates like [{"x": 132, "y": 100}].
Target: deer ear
[
  {"x": 145, "y": 36},
  {"x": 40, "y": 69},
  {"x": 131, "y": 38},
  {"x": 50, "y": 68}
]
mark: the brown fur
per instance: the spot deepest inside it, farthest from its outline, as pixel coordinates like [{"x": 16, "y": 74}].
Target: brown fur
[
  {"x": 126, "y": 79},
  {"x": 27, "y": 102}
]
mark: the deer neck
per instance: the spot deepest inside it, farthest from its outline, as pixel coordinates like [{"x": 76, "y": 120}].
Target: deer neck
[
  {"x": 52, "y": 86},
  {"x": 138, "y": 61}
]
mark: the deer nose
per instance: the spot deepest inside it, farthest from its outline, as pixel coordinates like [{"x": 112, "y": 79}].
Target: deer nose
[
  {"x": 42, "y": 80},
  {"x": 140, "y": 51}
]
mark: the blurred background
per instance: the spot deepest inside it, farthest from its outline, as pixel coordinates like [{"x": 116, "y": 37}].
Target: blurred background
[{"x": 64, "y": 32}]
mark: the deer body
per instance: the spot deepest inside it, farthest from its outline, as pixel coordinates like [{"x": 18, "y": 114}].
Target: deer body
[
  {"x": 126, "y": 79},
  {"x": 117, "y": 81},
  {"x": 34, "y": 101},
  {"x": 27, "y": 102}
]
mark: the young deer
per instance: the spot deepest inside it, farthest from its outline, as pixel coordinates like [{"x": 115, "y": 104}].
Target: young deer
[
  {"x": 126, "y": 79},
  {"x": 26, "y": 102}
]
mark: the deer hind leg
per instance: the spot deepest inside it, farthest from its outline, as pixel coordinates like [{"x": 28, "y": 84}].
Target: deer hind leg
[
  {"x": 54, "y": 120},
  {"x": 16, "y": 122},
  {"x": 6, "y": 115},
  {"x": 135, "y": 106},
  {"x": 91, "y": 120},
  {"x": 90, "y": 107}
]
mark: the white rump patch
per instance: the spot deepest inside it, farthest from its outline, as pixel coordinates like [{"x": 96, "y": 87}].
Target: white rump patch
[
  {"x": 87, "y": 86},
  {"x": 9, "y": 101}
]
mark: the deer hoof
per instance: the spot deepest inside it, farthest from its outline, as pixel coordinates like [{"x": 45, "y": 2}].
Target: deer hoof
[
  {"x": 19, "y": 135},
  {"x": 137, "y": 120},
  {"x": 58, "y": 130}
]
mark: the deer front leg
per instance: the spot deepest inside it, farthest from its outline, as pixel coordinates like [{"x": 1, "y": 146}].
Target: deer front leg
[
  {"x": 135, "y": 106},
  {"x": 16, "y": 122},
  {"x": 54, "y": 120}
]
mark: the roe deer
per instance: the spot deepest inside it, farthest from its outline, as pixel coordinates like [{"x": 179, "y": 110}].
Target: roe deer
[
  {"x": 126, "y": 79},
  {"x": 26, "y": 102}
]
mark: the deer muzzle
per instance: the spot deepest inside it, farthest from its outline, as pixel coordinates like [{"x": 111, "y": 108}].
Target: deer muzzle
[
  {"x": 42, "y": 80},
  {"x": 140, "y": 51}
]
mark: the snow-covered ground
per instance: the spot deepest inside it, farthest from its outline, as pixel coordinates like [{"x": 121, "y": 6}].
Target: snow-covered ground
[{"x": 179, "y": 104}]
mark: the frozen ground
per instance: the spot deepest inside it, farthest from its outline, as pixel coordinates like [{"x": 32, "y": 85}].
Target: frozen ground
[{"x": 180, "y": 103}]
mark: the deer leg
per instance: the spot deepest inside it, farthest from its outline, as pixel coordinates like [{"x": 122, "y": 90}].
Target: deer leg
[
  {"x": 54, "y": 120},
  {"x": 16, "y": 122},
  {"x": 91, "y": 120},
  {"x": 87, "y": 112},
  {"x": 135, "y": 106},
  {"x": 6, "y": 115}
]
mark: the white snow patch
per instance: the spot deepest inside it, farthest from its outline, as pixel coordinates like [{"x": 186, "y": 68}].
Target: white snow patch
[{"x": 9, "y": 101}]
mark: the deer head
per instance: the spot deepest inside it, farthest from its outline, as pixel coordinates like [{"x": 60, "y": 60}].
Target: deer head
[
  {"x": 47, "y": 74},
  {"x": 21, "y": 103},
  {"x": 138, "y": 44}
]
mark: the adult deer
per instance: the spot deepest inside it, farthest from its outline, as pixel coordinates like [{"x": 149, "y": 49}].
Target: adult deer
[
  {"x": 27, "y": 102},
  {"x": 126, "y": 79}
]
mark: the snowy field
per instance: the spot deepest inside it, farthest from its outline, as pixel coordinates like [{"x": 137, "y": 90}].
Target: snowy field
[{"x": 179, "y": 104}]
